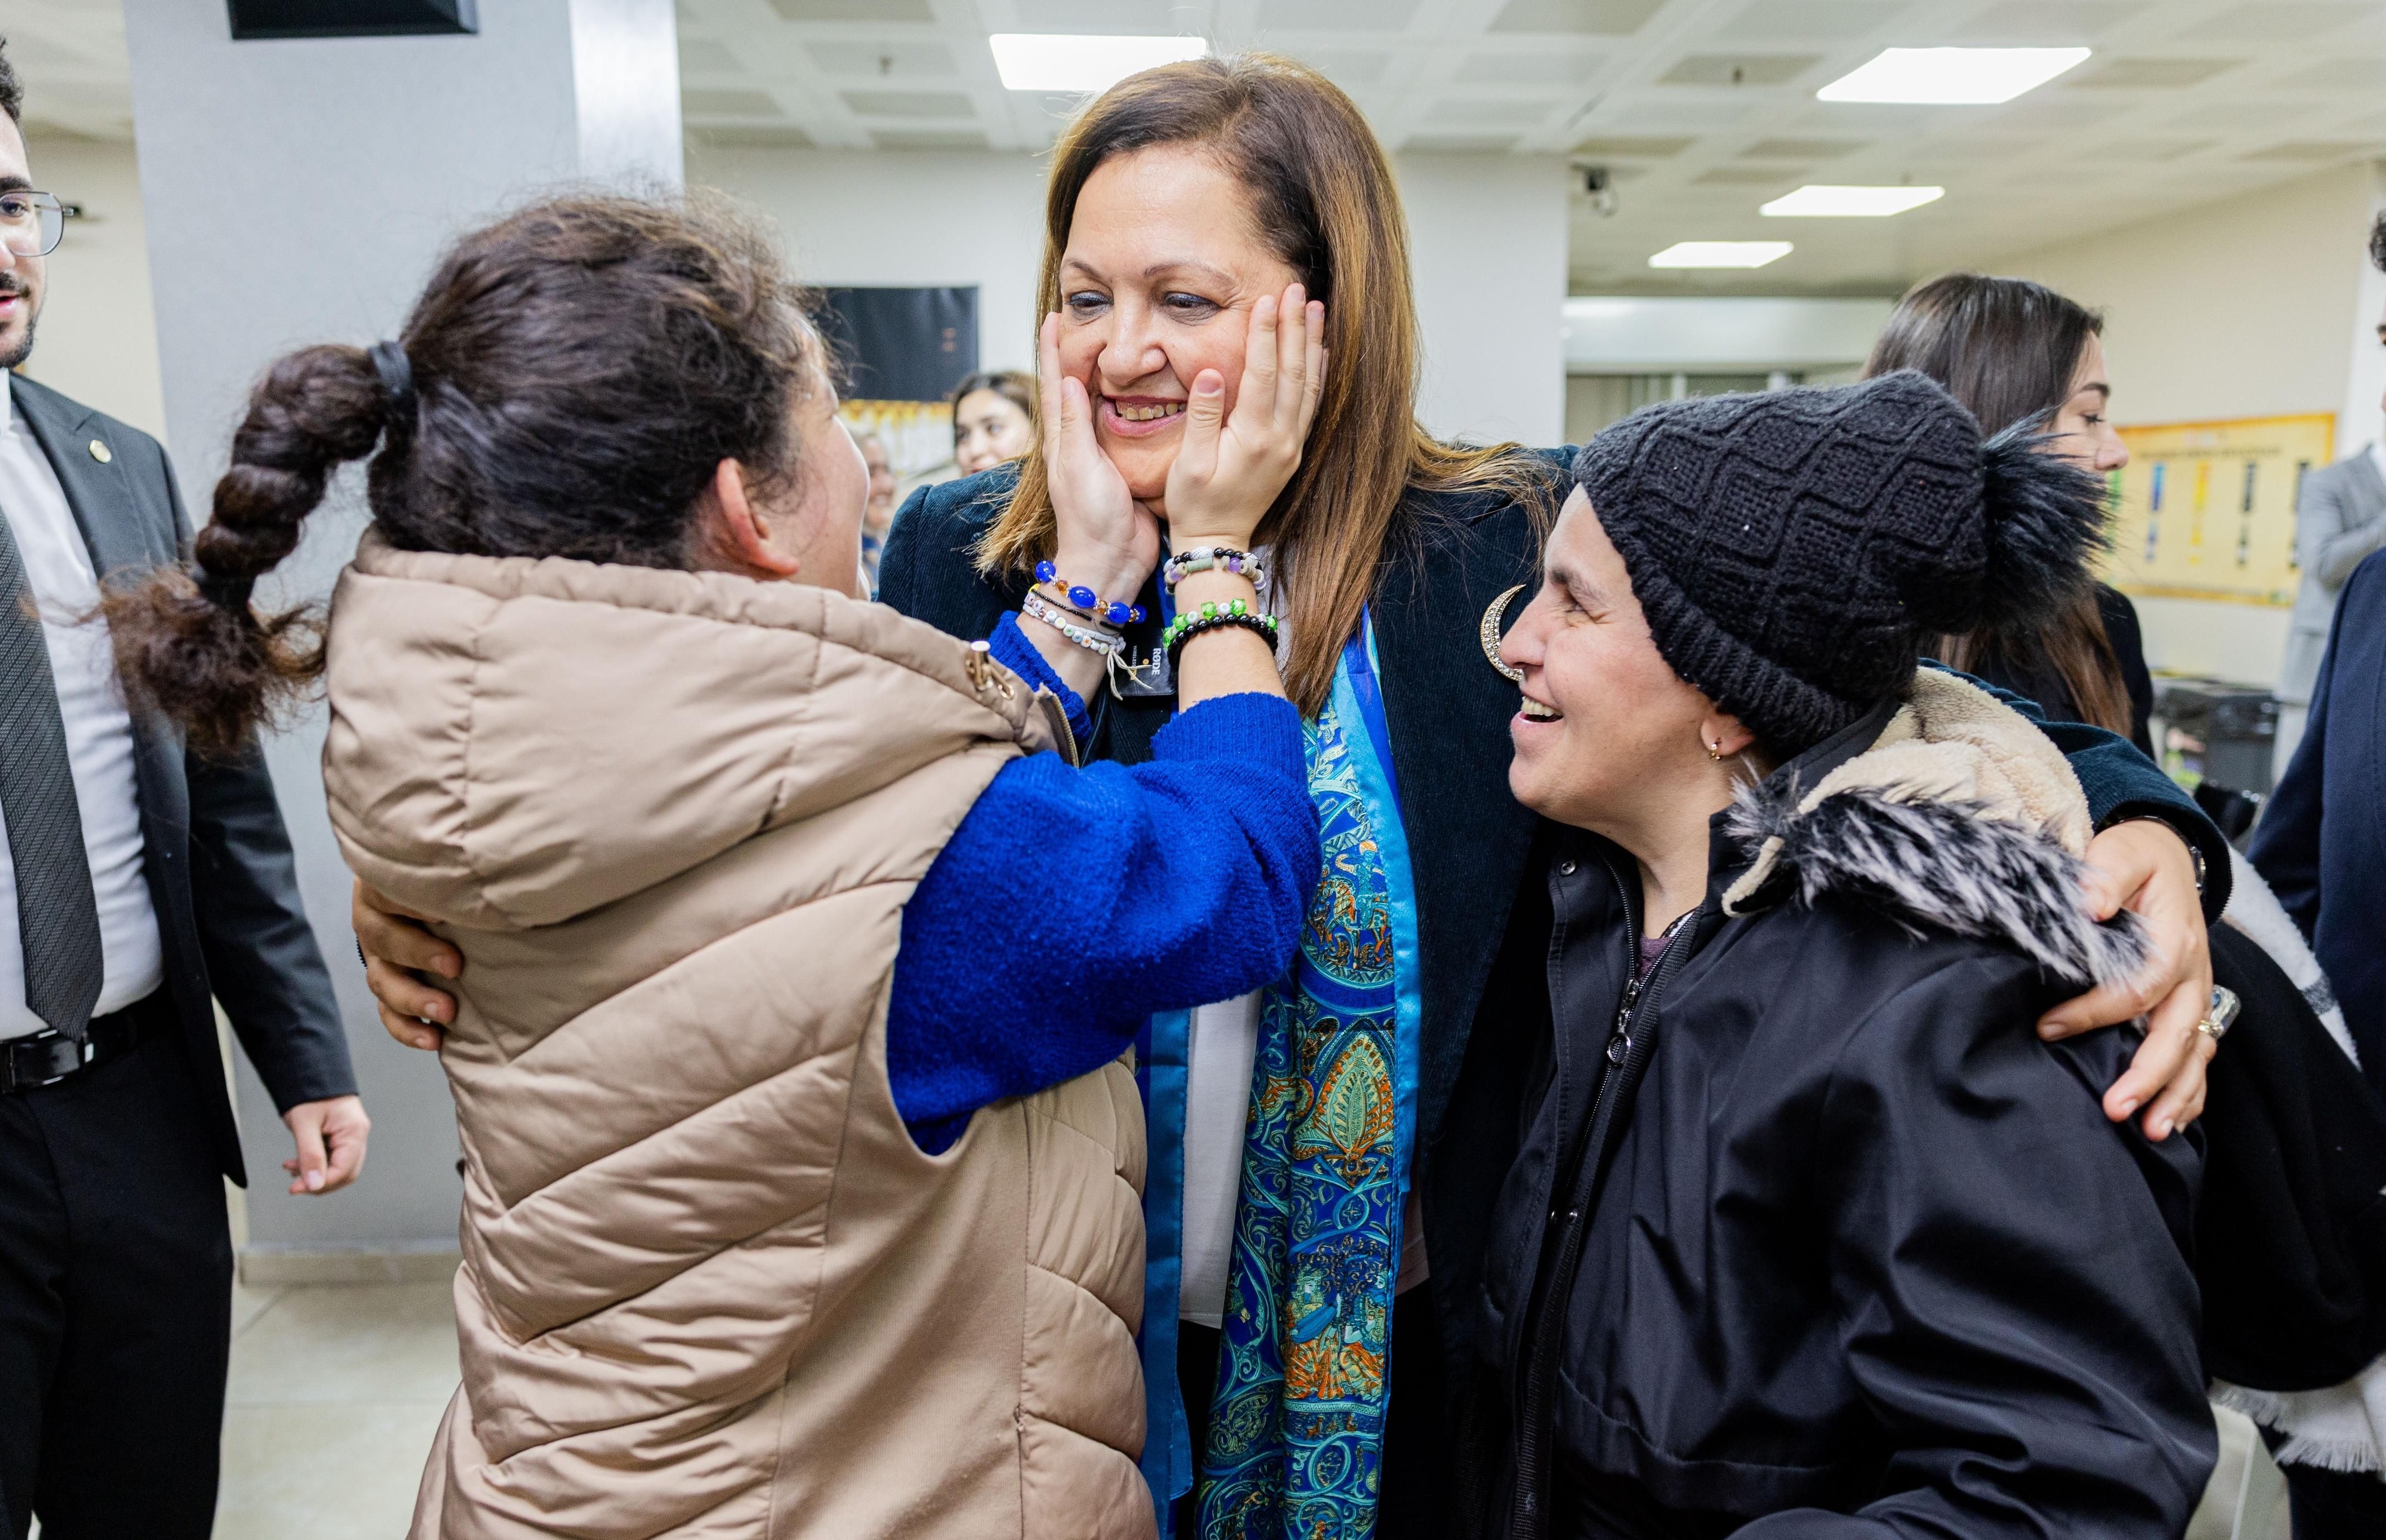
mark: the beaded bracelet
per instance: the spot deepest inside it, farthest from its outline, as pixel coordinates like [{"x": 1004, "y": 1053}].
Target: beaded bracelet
[
  {"x": 1116, "y": 612},
  {"x": 1214, "y": 616},
  {"x": 1034, "y": 603},
  {"x": 1184, "y": 564}
]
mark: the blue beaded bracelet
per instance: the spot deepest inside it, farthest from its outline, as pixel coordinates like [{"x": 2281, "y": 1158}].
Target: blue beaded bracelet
[{"x": 1116, "y": 612}]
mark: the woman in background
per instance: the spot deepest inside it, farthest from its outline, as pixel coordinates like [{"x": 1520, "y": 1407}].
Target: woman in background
[
  {"x": 878, "y": 514},
  {"x": 994, "y": 419},
  {"x": 2012, "y": 352}
]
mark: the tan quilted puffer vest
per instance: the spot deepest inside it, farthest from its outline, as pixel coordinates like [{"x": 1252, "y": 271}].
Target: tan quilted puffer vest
[{"x": 711, "y": 1287}]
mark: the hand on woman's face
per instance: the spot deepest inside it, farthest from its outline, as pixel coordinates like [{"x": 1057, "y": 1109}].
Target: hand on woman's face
[
  {"x": 1610, "y": 738},
  {"x": 2083, "y": 427},
  {"x": 1164, "y": 264},
  {"x": 988, "y": 428}
]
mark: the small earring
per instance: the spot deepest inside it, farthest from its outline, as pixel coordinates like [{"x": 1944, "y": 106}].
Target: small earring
[{"x": 1715, "y": 754}]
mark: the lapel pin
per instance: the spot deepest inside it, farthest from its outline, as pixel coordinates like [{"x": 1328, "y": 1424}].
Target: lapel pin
[{"x": 100, "y": 452}]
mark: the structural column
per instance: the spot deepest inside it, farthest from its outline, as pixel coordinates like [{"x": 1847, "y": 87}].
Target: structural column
[{"x": 298, "y": 191}]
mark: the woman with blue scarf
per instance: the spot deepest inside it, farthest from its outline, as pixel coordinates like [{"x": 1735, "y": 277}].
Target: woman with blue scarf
[{"x": 1325, "y": 1151}]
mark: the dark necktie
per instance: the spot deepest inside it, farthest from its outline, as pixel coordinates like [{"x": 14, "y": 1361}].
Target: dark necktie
[{"x": 56, "y": 912}]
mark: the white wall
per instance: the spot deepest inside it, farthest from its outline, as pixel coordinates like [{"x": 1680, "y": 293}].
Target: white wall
[
  {"x": 2256, "y": 306},
  {"x": 297, "y": 192},
  {"x": 98, "y": 341},
  {"x": 1488, "y": 240},
  {"x": 903, "y": 218}
]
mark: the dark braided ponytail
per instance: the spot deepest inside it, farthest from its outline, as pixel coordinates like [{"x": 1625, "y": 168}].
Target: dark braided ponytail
[
  {"x": 566, "y": 386},
  {"x": 190, "y": 643}
]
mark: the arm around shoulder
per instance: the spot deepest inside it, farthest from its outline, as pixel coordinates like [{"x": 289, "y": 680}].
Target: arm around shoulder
[{"x": 2014, "y": 1304}]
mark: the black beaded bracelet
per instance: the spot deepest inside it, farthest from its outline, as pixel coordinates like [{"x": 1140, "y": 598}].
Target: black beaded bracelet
[{"x": 1186, "y": 626}]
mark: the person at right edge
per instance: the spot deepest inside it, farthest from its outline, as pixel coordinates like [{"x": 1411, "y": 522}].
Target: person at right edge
[
  {"x": 2340, "y": 520},
  {"x": 2321, "y": 845},
  {"x": 1810, "y": 1233}
]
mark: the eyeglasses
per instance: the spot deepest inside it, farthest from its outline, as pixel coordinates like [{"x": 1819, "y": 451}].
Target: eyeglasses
[{"x": 30, "y": 223}]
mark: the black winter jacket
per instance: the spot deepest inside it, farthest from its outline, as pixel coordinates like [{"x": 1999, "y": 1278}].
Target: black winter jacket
[{"x": 1827, "y": 1242}]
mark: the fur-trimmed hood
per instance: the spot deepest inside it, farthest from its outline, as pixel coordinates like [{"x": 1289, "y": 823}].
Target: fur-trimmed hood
[{"x": 1960, "y": 818}]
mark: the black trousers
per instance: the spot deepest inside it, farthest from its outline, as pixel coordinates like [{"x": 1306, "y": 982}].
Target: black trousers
[
  {"x": 115, "y": 1302},
  {"x": 1418, "y": 1499}
]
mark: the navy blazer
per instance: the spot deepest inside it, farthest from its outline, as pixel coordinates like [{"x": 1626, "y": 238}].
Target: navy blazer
[
  {"x": 2321, "y": 843},
  {"x": 218, "y": 858}
]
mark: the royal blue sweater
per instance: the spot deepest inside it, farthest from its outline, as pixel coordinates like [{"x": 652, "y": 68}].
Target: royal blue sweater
[{"x": 1073, "y": 903}]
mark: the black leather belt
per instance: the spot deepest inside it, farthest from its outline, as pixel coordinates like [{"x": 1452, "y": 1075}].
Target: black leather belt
[{"x": 46, "y": 1057}]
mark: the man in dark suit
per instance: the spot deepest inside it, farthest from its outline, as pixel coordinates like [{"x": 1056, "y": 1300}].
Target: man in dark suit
[{"x": 138, "y": 883}]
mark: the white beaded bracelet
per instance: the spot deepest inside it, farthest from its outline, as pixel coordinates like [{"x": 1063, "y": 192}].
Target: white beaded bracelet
[{"x": 1085, "y": 636}]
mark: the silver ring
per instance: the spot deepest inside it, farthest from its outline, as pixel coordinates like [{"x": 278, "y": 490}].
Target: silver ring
[{"x": 2222, "y": 1016}]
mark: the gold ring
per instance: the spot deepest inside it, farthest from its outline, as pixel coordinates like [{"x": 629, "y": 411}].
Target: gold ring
[
  {"x": 1490, "y": 632},
  {"x": 2222, "y": 1016}
]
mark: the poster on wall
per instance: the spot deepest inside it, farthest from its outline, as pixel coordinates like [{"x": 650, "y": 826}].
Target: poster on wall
[
  {"x": 903, "y": 350},
  {"x": 2206, "y": 510}
]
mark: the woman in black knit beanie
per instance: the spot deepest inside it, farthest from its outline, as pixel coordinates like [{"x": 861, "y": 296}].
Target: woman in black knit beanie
[{"x": 1810, "y": 1230}]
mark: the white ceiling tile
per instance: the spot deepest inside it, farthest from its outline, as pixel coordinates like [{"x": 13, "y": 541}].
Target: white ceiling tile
[
  {"x": 1481, "y": 112},
  {"x": 854, "y": 10},
  {"x": 2275, "y": 20},
  {"x": 887, "y": 60},
  {"x": 1336, "y": 16},
  {"x": 1800, "y": 20},
  {"x": 1595, "y": 18},
  {"x": 1126, "y": 17},
  {"x": 1460, "y": 143},
  {"x": 2357, "y": 74},
  {"x": 2046, "y": 22},
  {"x": 1539, "y": 68}
]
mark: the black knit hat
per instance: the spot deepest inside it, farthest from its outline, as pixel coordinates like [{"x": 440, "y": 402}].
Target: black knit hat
[{"x": 1796, "y": 550}]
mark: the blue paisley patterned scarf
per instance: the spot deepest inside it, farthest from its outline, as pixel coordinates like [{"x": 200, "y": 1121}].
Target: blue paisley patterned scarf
[{"x": 1296, "y": 1429}]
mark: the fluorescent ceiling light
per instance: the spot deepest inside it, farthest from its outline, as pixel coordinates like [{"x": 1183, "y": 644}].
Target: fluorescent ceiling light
[
  {"x": 1721, "y": 253},
  {"x": 1065, "y": 61},
  {"x": 1817, "y": 202},
  {"x": 1940, "y": 76}
]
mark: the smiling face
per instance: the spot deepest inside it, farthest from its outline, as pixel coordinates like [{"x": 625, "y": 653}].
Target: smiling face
[
  {"x": 988, "y": 428},
  {"x": 2083, "y": 426},
  {"x": 1610, "y": 738},
  {"x": 1163, "y": 267},
  {"x": 20, "y": 277}
]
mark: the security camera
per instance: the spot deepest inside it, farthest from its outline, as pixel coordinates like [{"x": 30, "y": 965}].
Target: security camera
[{"x": 1598, "y": 186}]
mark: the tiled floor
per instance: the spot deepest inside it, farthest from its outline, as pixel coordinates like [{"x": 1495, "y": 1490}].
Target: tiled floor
[
  {"x": 334, "y": 1395},
  {"x": 336, "y": 1391}
]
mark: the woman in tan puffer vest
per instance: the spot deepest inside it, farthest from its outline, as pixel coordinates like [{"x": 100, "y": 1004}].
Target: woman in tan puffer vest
[{"x": 803, "y": 1151}]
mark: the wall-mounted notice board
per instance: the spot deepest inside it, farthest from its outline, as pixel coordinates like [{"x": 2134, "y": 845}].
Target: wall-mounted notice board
[{"x": 2206, "y": 510}]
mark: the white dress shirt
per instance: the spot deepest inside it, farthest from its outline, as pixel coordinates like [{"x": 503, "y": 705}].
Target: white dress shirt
[{"x": 99, "y": 735}]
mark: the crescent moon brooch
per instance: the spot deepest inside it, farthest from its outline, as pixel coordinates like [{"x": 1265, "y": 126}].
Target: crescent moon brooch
[{"x": 1492, "y": 619}]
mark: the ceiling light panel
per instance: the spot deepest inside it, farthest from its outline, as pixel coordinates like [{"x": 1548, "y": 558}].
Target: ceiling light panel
[
  {"x": 1065, "y": 61},
  {"x": 1721, "y": 253},
  {"x": 1947, "y": 77},
  {"x": 1822, "y": 202}
]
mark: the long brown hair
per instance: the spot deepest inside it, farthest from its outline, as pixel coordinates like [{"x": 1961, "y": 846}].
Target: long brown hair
[
  {"x": 2009, "y": 350},
  {"x": 566, "y": 386},
  {"x": 1322, "y": 196}
]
